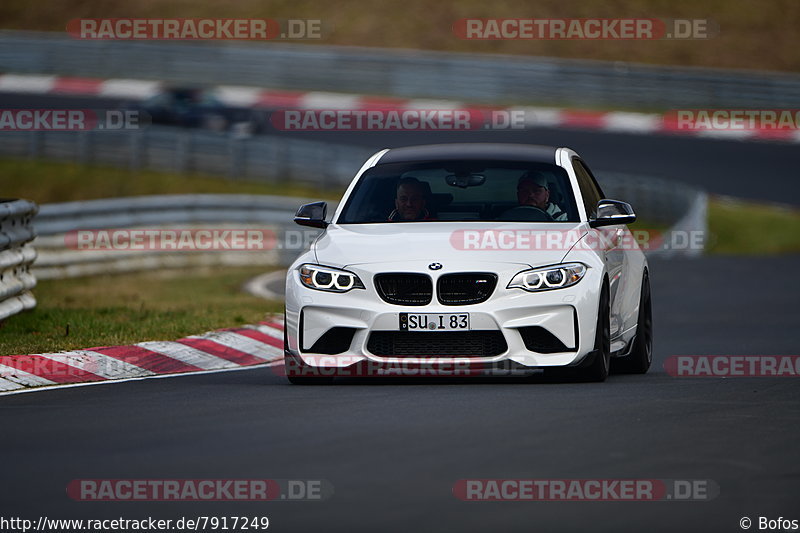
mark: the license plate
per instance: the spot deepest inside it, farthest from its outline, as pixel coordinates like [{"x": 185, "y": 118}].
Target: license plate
[{"x": 434, "y": 321}]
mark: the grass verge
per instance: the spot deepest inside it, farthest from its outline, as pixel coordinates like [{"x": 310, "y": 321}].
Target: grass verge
[
  {"x": 112, "y": 310},
  {"x": 738, "y": 227},
  {"x": 48, "y": 181}
]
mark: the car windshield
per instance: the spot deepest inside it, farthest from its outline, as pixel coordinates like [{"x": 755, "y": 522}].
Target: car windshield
[{"x": 461, "y": 191}]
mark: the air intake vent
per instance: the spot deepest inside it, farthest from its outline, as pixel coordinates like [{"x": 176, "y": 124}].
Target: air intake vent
[
  {"x": 539, "y": 340},
  {"x": 333, "y": 341},
  {"x": 439, "y": 344},
  {"x": 404, "y": 289},
  {"x": 465, "y": 288}
]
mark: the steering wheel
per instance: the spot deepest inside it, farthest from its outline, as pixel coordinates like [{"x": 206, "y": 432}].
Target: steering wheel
[{"x": 525, "y": 213}]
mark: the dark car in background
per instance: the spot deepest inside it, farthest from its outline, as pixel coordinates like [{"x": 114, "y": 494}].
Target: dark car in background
[{"x": 196, "y": 107}]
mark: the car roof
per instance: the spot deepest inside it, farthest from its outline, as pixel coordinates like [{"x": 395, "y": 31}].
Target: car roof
[{"x": 470, "y": 152}]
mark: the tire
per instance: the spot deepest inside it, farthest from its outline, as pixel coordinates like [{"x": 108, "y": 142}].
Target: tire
[
  {"x": 641, "y": 356},
  {"x": 598, "y": 368}
]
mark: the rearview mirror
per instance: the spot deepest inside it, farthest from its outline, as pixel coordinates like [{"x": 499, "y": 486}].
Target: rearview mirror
[
  {"x": 465, "y": 180},
  {"x": 312, "y": 215},
  {"x": 613, "y": 212}
]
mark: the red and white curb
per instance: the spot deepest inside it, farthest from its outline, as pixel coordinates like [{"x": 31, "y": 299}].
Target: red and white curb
[
  {"x": 215, "y": 351},
  {"x": 611, "y": 121}
]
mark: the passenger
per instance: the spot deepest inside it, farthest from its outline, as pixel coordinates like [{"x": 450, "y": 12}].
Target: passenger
[{"x": 410, "y": 202}]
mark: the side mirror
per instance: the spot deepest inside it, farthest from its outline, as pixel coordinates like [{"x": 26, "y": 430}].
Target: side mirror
[
  {"x": 312, "y": 215},
  {"x": 613, "y": 212}
]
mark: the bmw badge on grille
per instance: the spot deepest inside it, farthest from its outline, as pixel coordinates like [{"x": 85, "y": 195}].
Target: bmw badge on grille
[{"x": 435, "y": 266}]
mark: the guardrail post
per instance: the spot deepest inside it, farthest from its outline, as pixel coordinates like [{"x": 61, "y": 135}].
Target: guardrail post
[
  {"x": 236, "y": 157},
  {"x": 328, "y": 171},
  {"x": 182, "y": 153},
  {"x": 35, "y": 142},
  {"x": 16, "y": 256},
  {"x": 84, "y": 151},
  {"x": 136, "y": 150},
  {"x": 283, "y": 154}
]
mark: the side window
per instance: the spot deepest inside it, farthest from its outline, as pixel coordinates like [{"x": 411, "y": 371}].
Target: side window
[{"x": 589, "y": 190}]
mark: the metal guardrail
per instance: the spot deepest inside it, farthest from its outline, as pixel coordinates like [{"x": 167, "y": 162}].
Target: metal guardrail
[
  {"x": 167, "y": 149},
  {"x": 271, "y": 214},
  {"x": 138, "y": 211},
  {"x": 57, "y": 261},
  {"x": 16, "y": 256},
  {"x": 665, "y": 203},
  {"x": 657, "y": 201},
  {"x": 401, "y": 73}
]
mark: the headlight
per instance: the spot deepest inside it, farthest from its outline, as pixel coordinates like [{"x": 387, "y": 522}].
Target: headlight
[
  {"x": 548, "y": 278},
  {"x": 329, "y": 279}
]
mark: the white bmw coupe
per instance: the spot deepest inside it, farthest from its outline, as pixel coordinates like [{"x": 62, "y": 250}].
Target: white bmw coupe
[{"x": 479, "y": 255}]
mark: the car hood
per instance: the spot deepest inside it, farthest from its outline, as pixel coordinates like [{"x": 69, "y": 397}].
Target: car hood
[{"x": 439, "y": 242}]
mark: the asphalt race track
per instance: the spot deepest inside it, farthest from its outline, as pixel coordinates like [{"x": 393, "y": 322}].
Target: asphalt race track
[{"x": 393, "y": 449}]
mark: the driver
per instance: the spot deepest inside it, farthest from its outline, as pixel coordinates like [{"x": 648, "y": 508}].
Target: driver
[
  {"x": 410, "y": 201},
  {"x": 534, "y": 191}
]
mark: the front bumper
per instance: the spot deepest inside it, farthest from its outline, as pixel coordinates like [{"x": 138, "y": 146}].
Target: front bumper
[{"x": 568, "y": 315}]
